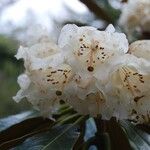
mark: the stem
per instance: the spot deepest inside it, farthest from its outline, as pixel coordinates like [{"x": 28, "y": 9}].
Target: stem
[{"x": 97, "y": 10}]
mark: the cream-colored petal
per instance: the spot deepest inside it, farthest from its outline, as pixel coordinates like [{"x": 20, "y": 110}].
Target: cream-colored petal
[
  {"x": 89, "y": 48},
  {"x": 135, "y": 16},
  {"x": 128, "y": 88},
  {"x": 140, "y": 49}
]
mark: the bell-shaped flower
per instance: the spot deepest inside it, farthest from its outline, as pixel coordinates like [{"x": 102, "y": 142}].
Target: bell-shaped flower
[
  {"x": 84, "y": 96},
  {"x": 89, "y": 51},
  {"x": 44, "y": 87},
  {"x": 40, "y": 55},
  {"x": 45, "y": 76},
  {"x": 135, "y": 16},
  {"x": 140, "y": 49},
  {"x": 127, "y": 91}
]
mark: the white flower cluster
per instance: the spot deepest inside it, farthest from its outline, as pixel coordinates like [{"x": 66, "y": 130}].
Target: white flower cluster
[
  {"x": 136, "y": 16},
  {"x": 91, "y": 71}
]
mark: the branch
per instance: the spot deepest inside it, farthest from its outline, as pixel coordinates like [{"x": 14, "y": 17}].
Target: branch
[{"x": 97, "y": 10}]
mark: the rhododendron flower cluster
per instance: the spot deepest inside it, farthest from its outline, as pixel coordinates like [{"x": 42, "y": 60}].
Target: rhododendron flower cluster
[
  {"x": 95, "y": 72},
  {"x": 136, "y": 16}
]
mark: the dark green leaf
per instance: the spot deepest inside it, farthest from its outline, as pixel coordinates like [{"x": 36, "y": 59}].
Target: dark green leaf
[
  {"x": 139, "y": 140},
  {"x": 11, "y": 120},
  {"x": 144, "y": 127},
  {"x": 58, "y": 138},
  {"x": 19, "y": 132},
  {"x": 38, "y": 142},
  {"x": 114, "y": 134}
]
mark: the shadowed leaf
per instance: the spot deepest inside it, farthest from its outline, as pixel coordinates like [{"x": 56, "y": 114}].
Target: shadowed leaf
[
  {"x": 58, "y": 138},
  {"x": 17, "y": 133},
  {"x": 13, "y": 119},
  {"x": 139, "y": 139}
]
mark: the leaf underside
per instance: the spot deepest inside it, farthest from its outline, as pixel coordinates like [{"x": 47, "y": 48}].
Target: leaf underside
[{"x": 36, "y": 133}]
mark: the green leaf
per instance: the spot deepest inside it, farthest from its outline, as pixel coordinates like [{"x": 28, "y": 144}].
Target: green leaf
[
  {"x": 19, "y": 132},
  {"x": 118, "y": 138},
  {"x": 58, "y": 138},
  {"x": 11, "y": 120},
  {"x": 15, "y": 131},
  {"x": 39, "y": 142},
  {"x": 144, "y": 127},
  {"x": 139, "y": 139}
]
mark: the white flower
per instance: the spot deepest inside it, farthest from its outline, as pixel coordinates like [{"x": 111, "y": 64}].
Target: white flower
[
  {"x": 82, "y": 94},
  {"x": 45, "y": 76},
  {"x": 44, "y": 87},
  {"x": 89, "y": 47},
  {"x": 91, "y": 71},
  {"x": 24, "y": 83},
  {"x": 40, "y": 55},
  {"x": 92, "y": 105},
  {"x": 127, "y": 90},
  {"x": 135, "y": 15},
  {"x": 140, "y": 49},
  {"x": 89, "y": 51}
]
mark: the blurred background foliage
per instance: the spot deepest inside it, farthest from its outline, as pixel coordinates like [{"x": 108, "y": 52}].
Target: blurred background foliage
[
  {"x": 17, "y": 16},
  {"x": 9, "y": 70}
]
